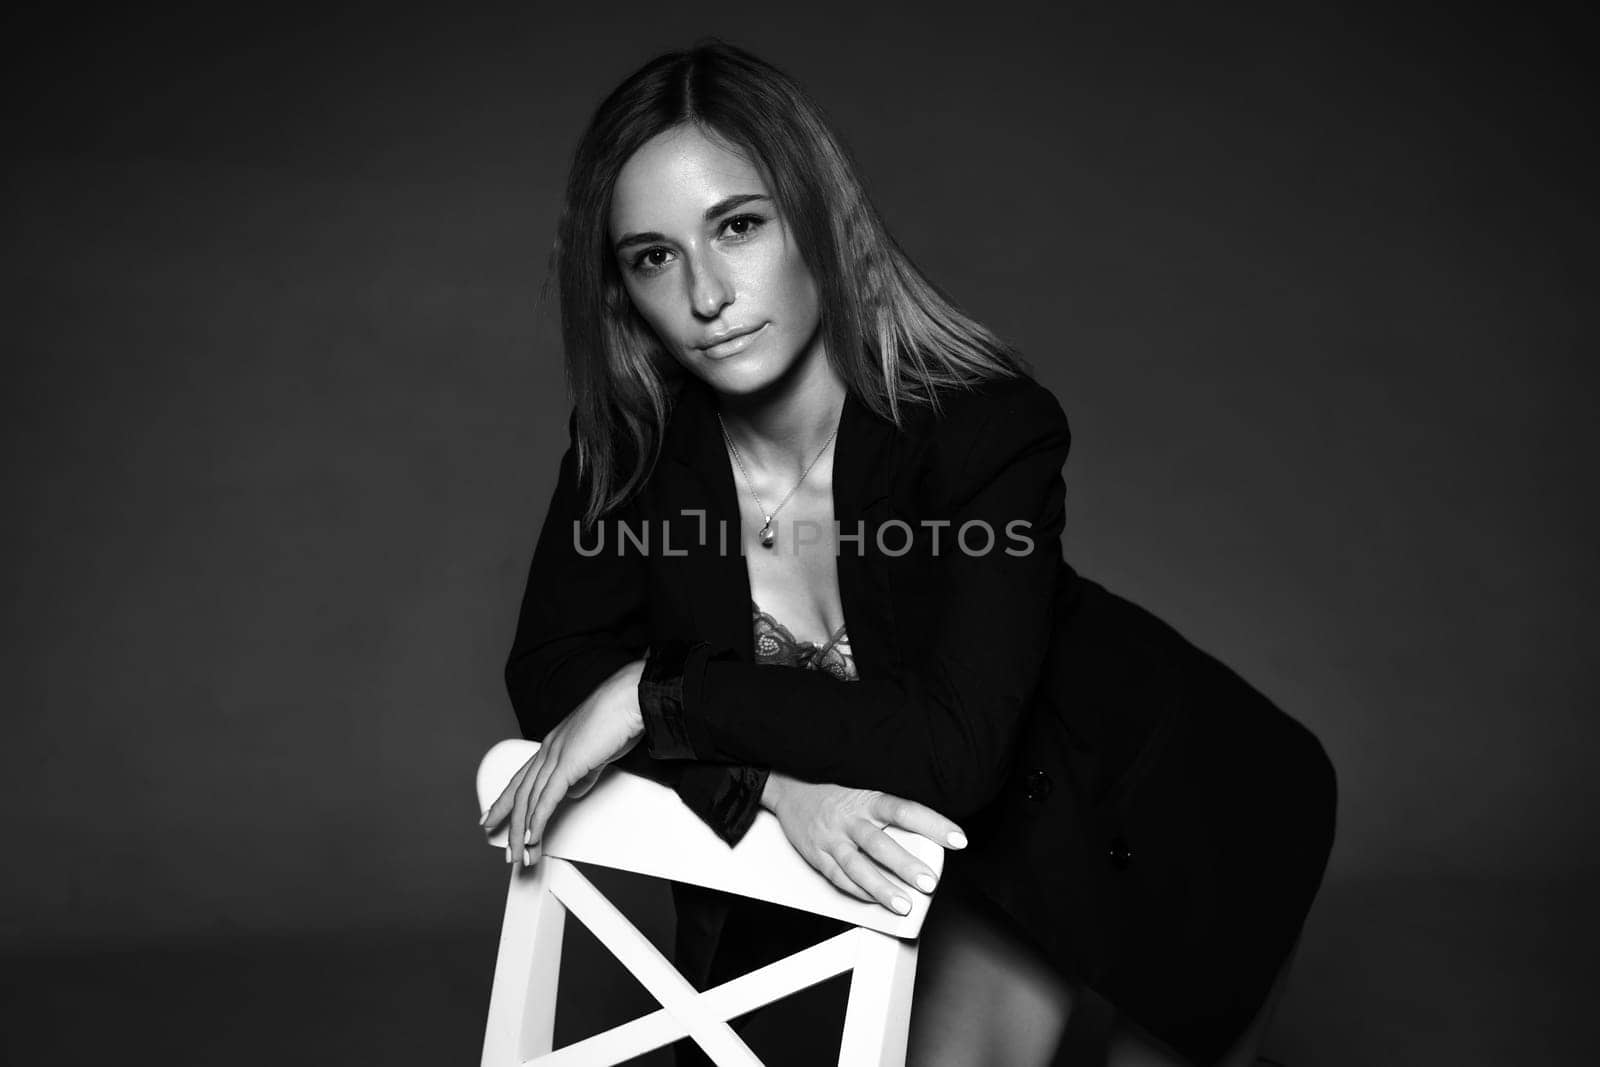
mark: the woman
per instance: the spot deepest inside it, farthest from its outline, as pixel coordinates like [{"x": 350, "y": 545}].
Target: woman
[{"x": 806, "y": 547}]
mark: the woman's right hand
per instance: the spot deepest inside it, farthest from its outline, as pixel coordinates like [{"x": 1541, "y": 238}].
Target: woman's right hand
[{"x": 839, "y": 831}]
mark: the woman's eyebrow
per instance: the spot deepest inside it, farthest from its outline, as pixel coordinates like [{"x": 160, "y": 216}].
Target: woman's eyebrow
[{"x": 721, "y": 207}]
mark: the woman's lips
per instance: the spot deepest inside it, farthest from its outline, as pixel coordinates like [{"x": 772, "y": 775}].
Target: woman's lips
[{"x": 734, "y": 345}]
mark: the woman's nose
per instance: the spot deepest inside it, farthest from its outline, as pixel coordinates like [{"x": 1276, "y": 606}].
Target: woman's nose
[{"x": 709, "y": 292}]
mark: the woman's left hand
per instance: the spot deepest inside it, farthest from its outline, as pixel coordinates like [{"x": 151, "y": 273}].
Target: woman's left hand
[{"x": 599, "y": 731}]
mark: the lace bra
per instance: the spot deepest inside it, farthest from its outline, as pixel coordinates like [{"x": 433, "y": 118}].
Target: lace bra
[{"x": 776, "y": 645}]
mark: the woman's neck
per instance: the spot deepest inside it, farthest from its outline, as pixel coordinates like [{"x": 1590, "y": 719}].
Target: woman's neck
[{"x": 783, "y": 429}]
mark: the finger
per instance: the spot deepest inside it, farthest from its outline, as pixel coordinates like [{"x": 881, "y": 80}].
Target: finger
[
  {"x": 864, "y": 872},
  {"x": 888, "y": 854},
  {"x": 829, "y": 868},
  {"x": 527, "y": 836},
  {"x": 519, "y": 808},
  {"x": 502, "y": 804},
  {"x": 919, "y": 819},
  {"x": 551, "y": 793}
]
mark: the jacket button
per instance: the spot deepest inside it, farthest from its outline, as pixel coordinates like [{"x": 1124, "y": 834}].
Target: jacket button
[
  {"x": 1119, "y": 853},
  {"x": 1037, "y": 785}
]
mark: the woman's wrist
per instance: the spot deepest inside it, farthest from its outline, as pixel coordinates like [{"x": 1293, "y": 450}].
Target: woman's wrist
[
  {"x": 770, "y": 791},
  {"x": 625, "y": 691}
]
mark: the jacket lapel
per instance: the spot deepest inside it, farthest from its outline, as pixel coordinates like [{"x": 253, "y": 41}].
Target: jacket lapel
[
  {"x": 718, "y": 595},
  {"x": 702, "y": 478},
  {"x": 863, "y": 469}
]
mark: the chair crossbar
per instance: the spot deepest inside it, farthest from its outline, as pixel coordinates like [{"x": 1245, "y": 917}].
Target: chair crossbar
[
  {"x": 729, "y": 1000},
  {"x": 646, "y": 963}
]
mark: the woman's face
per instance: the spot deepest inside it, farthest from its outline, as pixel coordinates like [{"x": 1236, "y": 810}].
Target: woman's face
[{"x": 710, "y": 265}]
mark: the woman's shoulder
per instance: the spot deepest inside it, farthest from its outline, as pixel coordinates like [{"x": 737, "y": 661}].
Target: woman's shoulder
[
  {"x": 978, "y": 433},
  {"x": 994, "y": 410}
]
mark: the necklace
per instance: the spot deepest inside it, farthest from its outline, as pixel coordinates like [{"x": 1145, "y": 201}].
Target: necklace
[{"x": 768, "y": 536}]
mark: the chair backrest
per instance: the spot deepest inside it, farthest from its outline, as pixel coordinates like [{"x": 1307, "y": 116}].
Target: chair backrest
[{"x": 633, "y": 824}]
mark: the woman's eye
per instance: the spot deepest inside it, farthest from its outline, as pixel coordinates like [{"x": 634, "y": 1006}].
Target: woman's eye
[
  {"x": 654, "y": 260},
  {"x": 650, "y": 260},
  {"x": 743, "y": 225}
]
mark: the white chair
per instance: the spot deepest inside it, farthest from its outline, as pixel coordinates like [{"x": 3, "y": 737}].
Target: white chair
[{"x": 633, "y": 824}]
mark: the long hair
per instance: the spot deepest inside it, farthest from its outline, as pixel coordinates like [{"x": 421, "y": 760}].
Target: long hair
[{"x": 892, "y": 336}]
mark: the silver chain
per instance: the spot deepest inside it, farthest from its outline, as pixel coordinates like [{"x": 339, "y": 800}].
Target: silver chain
[{"x": 767, "y": 536}]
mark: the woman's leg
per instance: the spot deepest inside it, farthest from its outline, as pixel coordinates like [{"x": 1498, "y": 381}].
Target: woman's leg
[
  {"x": 982, "y": 997},
  {"x": 985, "y": 996}
]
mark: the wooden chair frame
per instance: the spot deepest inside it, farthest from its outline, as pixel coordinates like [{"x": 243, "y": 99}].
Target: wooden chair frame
[{"x": 633, "y": 824}]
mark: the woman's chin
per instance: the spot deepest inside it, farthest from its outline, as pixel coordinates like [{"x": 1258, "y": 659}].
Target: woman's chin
[{"x": 736, "y": 376}]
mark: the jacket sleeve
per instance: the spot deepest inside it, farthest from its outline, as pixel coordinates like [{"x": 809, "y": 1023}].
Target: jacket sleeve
[
  {"x": 583, "y": 617},
  {"x": 943, "y": 733}
]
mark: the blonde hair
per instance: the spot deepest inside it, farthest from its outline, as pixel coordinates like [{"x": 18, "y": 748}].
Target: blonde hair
[{"x": 892, "y": 336}]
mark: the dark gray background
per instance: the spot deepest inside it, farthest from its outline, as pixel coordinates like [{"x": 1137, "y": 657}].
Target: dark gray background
[{"x": 282, "y": 414}]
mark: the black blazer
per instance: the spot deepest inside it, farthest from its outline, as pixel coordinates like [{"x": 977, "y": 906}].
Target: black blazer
[{"x": 1155, "y": 825}]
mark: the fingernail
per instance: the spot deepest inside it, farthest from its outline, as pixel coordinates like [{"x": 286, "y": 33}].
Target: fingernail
[
  {"x": 527, "y": 837},
  {"x": 958, "y": 840},
  {"x": 484, "y": 821},
  {"x": 902, "y": 905},
  {"x": 925, "y": 882},
  {"x": 527, "y": 857}
]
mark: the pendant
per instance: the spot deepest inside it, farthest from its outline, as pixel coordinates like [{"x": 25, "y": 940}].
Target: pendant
[{"x": 767, "y": 534}]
